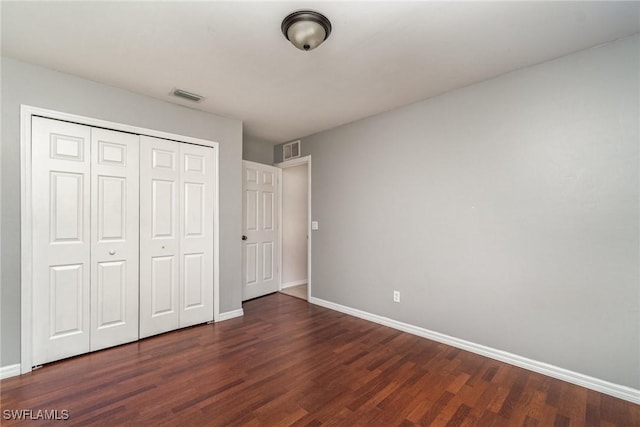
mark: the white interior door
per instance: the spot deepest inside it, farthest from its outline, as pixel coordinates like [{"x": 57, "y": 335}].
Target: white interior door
[
  {"x": 197, "y": 168},
  {"x": 159, "y": 236},
  {"x": 61, "y": 164},
  {"x": 114, "y": 238},
  {"x": 260, "y": 232}
]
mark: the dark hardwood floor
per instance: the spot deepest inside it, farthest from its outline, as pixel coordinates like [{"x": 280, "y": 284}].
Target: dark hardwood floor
[{"x": 287, "y": 362}]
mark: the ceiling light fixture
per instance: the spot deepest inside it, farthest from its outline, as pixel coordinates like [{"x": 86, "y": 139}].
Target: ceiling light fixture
[{"x": 306, "y": 29}]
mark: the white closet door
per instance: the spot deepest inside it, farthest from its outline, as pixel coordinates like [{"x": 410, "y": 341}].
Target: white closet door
[
  {"x": 114, "y": 238},
  {"x": 61, "y": 162},
  {"x": 196, "y": 234},
  {"x": 159, "y": 236}
]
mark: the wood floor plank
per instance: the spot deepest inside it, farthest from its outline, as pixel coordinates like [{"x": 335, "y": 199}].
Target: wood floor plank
[{"x": 286, "y": 362}]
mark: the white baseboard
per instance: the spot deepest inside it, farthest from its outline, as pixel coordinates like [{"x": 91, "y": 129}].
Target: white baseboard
[
  {"x": 296, "y": 283},
  {"x": 230, "y": 314},
  {"x": 616, "y": 390},
  {"x": 9, "y": 371}
]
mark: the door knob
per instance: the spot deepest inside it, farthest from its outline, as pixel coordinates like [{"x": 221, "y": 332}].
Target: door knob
[
  {"x": 112, "y": 252},
  {"x": 244, "y": 237}
]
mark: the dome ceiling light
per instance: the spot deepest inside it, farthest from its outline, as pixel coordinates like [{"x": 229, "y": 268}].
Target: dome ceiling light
[{"x": 306, "y": 29}]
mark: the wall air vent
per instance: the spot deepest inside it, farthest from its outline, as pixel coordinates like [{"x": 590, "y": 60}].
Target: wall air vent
[
  {"x": 291, "y": 150},
  {"x": 187, "y": 95}
]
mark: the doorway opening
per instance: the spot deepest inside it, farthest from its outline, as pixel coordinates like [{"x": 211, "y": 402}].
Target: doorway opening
[{"x": 295, "y": 230}]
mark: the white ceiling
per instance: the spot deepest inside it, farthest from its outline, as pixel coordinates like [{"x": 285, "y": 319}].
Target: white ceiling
[{"x": 380, "y": 55}]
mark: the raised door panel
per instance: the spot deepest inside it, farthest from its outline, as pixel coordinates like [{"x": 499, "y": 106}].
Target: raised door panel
[
  {"x": 66, "y": 316},
  {"x": 67, "y": 205},
  {"x": 197, "y": 169},
  {"x": 251, "y": 211},
  {"x": 163, "y": 286},
  {"x": 251, "y": 263},
  {"x": 194, "y": 214},
  {"x": 268, "y": 266},
  {"x": 268, "y": 211},
  {"x": 194, "y": 281},
  {"x": 64, "y": 145},
  {"x": 159, "y": 236},
  {"x": 115, "y": 238},
  {"x": 163, "y": 209},
  {"x": 268, "y": 180},
  {"x": 112, "y": 208},
  {"x": 61, "y": 245},
  {"x": 111, "y": 294}
]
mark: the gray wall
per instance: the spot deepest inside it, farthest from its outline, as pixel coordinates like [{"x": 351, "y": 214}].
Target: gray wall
[
  {"x": 506, "y": 213},
  {"x": 257, "y": 150},
  {"x": 27, "y": 84}
]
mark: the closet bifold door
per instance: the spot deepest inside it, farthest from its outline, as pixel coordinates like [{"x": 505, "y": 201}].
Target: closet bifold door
[
  {"x": 85, "y": 239},
  {"x": 61, "y": 203},
  {"x": 176, "y": 235},
  {"x": 114, "y": 238},
  {"x": 159, "y": 236},
  {"x": 196, "y": 234}
]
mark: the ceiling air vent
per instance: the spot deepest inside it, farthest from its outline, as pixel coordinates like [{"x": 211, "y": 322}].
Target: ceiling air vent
[
  {"x": 187, "y": 95},
  {"x": 291, "y": 150}
]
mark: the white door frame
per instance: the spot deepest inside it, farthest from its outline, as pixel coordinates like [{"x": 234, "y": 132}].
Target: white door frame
[
  {"x": 26, "y": 215},
  {"x": 283, "y": 165}
]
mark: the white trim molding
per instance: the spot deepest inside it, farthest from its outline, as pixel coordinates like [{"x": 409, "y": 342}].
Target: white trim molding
[
  {"x": 9, "y": 371},
  {"x": 231, "y": 314},
  {"x": 615, "y": 390},
  {"x": 292, "y": 284}
]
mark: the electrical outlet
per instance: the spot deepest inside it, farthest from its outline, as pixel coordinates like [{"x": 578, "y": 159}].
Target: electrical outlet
[{"x": 396, "y": 296}]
